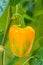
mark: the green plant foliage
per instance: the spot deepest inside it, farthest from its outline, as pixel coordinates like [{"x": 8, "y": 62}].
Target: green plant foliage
[
  {"x": 24, "y": 13},
  {"x": 38, "y": 58}
]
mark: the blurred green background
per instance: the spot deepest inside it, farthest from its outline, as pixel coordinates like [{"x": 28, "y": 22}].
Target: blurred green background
[{"x": 32, "y": 14}]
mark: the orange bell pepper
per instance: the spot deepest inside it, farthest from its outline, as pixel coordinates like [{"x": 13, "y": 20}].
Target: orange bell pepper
[{"x": 21, "y": 40}]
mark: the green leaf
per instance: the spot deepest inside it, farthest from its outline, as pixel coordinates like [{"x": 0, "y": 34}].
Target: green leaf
[
  {"x": 1, "y": 35},
  {"x": 35, "y": 61},
  {"x": 0, "y": 58},
  {"x": 3, "y": 19},
  {"x": 38, "y": 57},
  {"x": 39, "y": 54},
  {"x": 14, "y": 2},
  {"x": 28, "y": 17}
]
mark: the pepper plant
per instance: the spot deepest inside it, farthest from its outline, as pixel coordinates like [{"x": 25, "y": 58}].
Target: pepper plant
[{"x": 21, "y": 32}]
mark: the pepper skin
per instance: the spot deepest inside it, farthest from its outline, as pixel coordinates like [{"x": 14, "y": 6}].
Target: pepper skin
[{"x": 21, "y": 40}]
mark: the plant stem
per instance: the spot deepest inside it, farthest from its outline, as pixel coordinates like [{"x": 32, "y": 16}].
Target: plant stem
[
  {"x": 3, "y": 58},
  {"x": 28, "y": 60}
]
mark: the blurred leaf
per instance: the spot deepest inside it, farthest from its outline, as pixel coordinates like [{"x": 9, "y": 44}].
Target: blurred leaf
[
  {"x": 13, "y": 61},
  {"x": 14, "y": 2},
  {"x": 42, "y": 63},
  {"x": 28, "y": 5},
  {"x": 38, "y": 13},
  {"x": 0, "y": 58},
  {"x": 38, "y": 57},
  {"x": 1, "y": 36},
  {"x": 8, "y": 54},
  {"x": 28, "y": 17},
  {"x": 38, "y": 5},
  {"x": 3, "y": 20},
  {"x": 39, "y": 54},
  {"x": 35, "y": 61}
]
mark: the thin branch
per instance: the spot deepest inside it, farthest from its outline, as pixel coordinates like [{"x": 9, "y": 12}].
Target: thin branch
[
  {"x": 3, "y": 58},
  {"x": 27, "y": 60}
]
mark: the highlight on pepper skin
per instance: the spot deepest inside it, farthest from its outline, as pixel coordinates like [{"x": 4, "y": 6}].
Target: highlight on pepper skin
[{"x": 21, "y": 40}]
